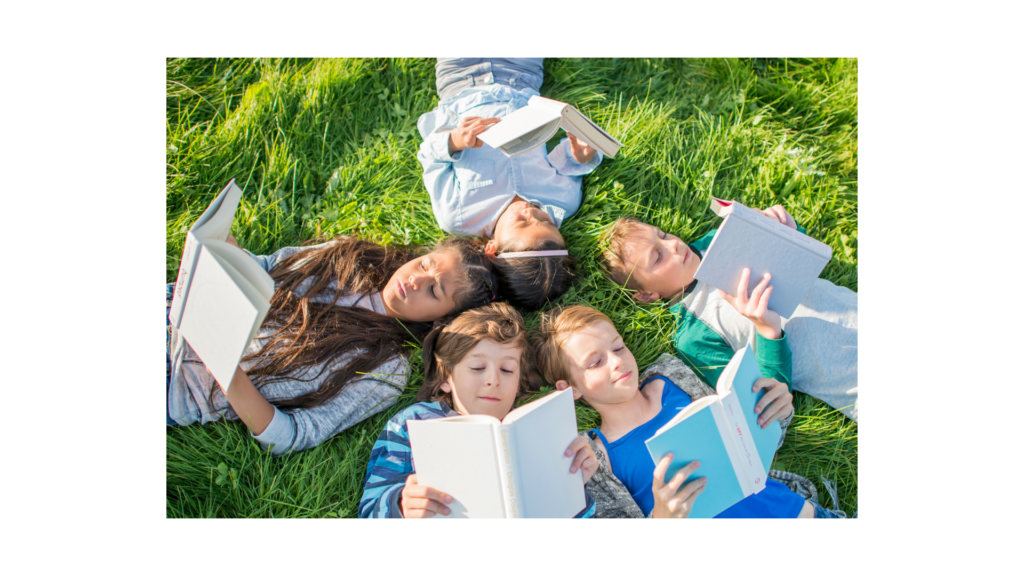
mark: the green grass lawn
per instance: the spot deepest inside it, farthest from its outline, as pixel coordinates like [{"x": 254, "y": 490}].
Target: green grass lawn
[{"x": 325, "y": 147}]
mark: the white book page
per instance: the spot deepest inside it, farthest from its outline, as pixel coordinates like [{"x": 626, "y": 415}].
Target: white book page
[
  {"x": 250, "y": 277},
  {"x": 518, "y": 123},
  {"x": 219, "y": 317},
  {"x": 458, "y": 456},
  {"x": 542, "y": 433}
]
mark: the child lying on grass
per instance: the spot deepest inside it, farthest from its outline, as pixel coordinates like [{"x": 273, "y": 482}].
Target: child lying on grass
[
  {"x": 517, "y": 204},
  {"x": 476, "y": 365},
  {"x": 578, "y": 347},
  {"x": 814, "y": 351},
  {"x": 330, "y": 352}
]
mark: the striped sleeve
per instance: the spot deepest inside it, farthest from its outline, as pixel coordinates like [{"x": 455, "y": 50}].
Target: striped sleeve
[{"x": 391, "y": 463}]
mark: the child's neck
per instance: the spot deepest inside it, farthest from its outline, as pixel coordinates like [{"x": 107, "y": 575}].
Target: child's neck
[{"x": 620, "y": 418}]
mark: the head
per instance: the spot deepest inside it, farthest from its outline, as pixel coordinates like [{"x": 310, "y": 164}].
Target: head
[
  {"x": 524, "y": 224},
  {"x": 526, "y": 281},
  {"x": 455, "y": 276},
  {"x": 646, "y": 259},
  {"x": 480, "y": 363},
  {"x": 579, "y": 347},
  {"x": 310, "y": 328}
]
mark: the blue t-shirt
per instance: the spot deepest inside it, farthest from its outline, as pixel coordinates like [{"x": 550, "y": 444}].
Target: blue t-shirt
[{"x": 633, "y": 466}]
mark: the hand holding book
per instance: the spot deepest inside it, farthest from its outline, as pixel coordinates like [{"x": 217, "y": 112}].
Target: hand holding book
[
  {"x": 669, "y": 500},
  {"x": 755, "y": 307},
  {"x": 465, "y": 136},
  {"x": 581, "y": 152}
]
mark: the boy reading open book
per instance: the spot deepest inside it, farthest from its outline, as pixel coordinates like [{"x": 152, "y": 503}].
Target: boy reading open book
[
  {"x": 578, "y": 347},
  {"x": 814, "y": 350},
  {"x": 478, "y": 364}
]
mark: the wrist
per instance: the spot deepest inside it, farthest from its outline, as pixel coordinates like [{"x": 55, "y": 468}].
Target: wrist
[
  {"x": 767, "y": 331},
  {"x": 452, "y": 146}
]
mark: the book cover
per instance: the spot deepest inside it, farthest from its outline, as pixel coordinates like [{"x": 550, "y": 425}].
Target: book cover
[{"x": 748, "y": 239}]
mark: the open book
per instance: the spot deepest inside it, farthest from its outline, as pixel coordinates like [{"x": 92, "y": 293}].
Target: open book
[
  {"x": 721, "y": 431},
  {"x": 534, "y": 124},
  {"x": 222, "y": 294},
  {"x": 749, "y": 239},
  {"x": 514, "y": 468}
]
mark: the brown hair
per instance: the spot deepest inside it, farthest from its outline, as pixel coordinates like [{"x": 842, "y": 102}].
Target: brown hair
[
  {"x": 308, "y": 334},
  {"x": 555, "y": 328},
  {"x": 533, "y": 282},
  {"x": 613, "y": 243},
  {"x": 446, "y": 346}
]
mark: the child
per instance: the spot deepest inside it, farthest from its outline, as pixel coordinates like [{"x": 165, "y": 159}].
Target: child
[
  {"x": 712, "y": 325},
  {"x": 579, "y": 347},
  {"x": 329, "y": 352},
  {"x": 517, "y": 204},
  {"x": 476, "y": 365}
]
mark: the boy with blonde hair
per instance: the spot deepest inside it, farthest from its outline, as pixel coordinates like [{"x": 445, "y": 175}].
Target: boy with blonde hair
[
  {"x": 814, "y": 351},
  {"x": 579, "y": 347}
]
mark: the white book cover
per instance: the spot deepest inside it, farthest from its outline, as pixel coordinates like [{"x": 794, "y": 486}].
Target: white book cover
[
  {"x": 222, "y": 295},
  {"x": 534, "y": 124},
  {"x": 749, "y": 239},
  {"x": 514, "y": 468}
]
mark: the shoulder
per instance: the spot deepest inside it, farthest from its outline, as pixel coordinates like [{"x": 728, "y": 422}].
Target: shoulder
[
  {"x": 418, "y": 411},
  {"x": 671, "y": 368}
]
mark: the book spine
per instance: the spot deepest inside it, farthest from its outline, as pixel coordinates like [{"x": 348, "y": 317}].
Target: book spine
[
  {"x": 725, "y": 429},
  {"x": 507, "y": 469},
  {"x": 181, "y": 285},
  {"x": 751, "y": 472}
]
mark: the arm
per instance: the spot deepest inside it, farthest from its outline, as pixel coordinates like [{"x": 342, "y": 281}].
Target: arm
[
  {"x": 707, "y": 354},
  {"x": 386, "y": 474},
  {"x": 563, "y": 161}
]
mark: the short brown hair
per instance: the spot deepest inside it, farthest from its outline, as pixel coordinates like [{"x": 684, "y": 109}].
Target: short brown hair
[
  {"x": 556, "y": 327},
  {"x": 612, "y": 244},
  {"x": 447, "y": 345}
]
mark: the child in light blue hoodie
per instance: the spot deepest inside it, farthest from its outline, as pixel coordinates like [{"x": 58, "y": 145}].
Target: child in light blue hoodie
[{"x": 516, "y": 204}]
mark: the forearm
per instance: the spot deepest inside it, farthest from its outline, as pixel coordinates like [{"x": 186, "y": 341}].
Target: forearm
[
  {"x": 775, "y": 359},
  {"x": 247, "y": 402}
]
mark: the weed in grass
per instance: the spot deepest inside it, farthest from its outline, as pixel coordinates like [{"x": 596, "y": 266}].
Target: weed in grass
[{"x": 325, "y": 147}]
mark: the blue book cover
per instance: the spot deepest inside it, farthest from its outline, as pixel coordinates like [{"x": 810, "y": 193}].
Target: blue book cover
[{"x": 721, "y": 431}]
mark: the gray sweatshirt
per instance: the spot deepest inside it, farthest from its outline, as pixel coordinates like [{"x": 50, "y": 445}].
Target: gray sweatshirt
[{"x": 188, "y": 396}]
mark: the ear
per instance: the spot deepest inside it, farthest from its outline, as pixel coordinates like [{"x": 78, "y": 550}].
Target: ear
[
  {"x": 646, "y": 297},
  {"x": 446, "y": 386},
  {"x": 562, "y": 385},
  {"x": 491, "y": 248}
]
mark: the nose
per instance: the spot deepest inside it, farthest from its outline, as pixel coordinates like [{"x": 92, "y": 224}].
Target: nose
[
  {"x": 415, "y": 281},
  {"x": 493, "y": 378},
  {"x": 614, "y": 362}
]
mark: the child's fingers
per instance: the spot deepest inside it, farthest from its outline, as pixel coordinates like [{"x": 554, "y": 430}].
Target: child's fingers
[
  {"x": 698, "y": 490},
  {"x": 755, "y": 295},
  {"x": 762, "y": 302},
  {"x": 741, "y": 288},
  {"x": 660, "y": 469},
  {"x": 575, "y": 446},
  {"x": 683, "y": 474},
  {"x": 771, "y": 396},
  {"x": 581, "y": 456},
  {"x": 769, "y": 384},
  {"x": 426, "y": 505}
]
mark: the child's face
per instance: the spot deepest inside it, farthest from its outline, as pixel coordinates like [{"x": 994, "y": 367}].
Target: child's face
[
  {"x": 523, "y": 224},
  {"x": 423, "y": 290},
  {"x": 603, "y": 370},
  {"x": 486, "y": 380},
  {"x": 660, "y": 262}
]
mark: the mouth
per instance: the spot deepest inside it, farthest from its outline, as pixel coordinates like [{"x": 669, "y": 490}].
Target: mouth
[
  {"x": 623, "y": 378},
  {"x": 490, "y": 399},
  {"x": 686, "y": 254},
  {"x": 401, "y": 290}
]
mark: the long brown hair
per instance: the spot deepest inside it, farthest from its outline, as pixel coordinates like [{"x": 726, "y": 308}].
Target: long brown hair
[
  {"x": 446, "y": 346},
  {"x": 309, "y": 334}
]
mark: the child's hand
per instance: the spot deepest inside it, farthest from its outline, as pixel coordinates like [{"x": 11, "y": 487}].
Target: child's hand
[
  {"x": 580, "y": 151},
  {"x": 669, "y": 500},
  {"x": 585, "y": 458},
  {"x": 776, "y": 404},
  {"x": 779, "y": 214},
  {"x": 767, "y": 322},
  {"x": 465, "y": 136},
  {"x": 422, "y": 502}
]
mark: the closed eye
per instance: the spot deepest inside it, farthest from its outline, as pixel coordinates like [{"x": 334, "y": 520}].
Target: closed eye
[{"x": 508, "y": 371}]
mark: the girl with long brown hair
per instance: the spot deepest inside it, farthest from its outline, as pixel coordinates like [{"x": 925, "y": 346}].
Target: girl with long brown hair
[
  {"x": 330, "y": 351},
  {"x": 481, "y": 363}
]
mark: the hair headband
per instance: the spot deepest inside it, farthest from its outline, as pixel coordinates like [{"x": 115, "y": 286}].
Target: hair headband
[{"x": 532, "y": 254}]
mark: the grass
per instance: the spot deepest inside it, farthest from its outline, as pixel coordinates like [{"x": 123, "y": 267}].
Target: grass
[{"x": 324, "y": 147}]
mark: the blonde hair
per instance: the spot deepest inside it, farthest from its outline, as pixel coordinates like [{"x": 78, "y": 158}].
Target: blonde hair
[
  {"x": 613, "y": 244},
  {"x": 556, "y": 327},
  {"x": 446, "y": 346}
]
